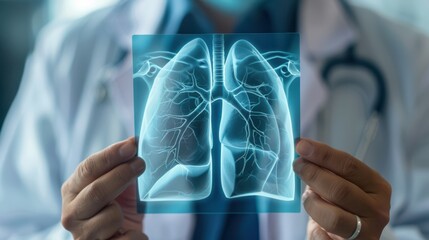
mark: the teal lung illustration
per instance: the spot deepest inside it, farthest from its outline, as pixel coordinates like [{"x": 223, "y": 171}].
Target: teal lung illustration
[
  {"x": 255, "y": 130},
  {"x": 175, "y": 136},
  {"x": 256, "y": 140}
]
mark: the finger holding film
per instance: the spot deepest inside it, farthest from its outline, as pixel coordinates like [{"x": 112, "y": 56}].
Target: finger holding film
[
  {"x": 105, "y": 224},
  {"x": 106, "y": 188},
  {"x": 314, "y": 231},
  {"x": 340, "y": 163},
  {"x": 100, "y": 163},
  {"x": 331, "y": 218},
  {"x": 128, "y": 201},
  {"x": 334, "y": 188}
]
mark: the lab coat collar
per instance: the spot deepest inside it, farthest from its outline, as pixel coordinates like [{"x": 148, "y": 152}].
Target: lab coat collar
[
  {"x": 131, "y": 17},
  {"x": 326, "y": 28},
  {"x": 126, "y": 18},
  {"x": 321, "y": 23}
]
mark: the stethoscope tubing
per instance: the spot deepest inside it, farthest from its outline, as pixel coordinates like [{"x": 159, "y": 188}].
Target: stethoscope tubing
[{"x": 370, "y": 129}]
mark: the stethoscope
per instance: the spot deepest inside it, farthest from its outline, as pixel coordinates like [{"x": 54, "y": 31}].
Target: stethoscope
[{"x": 350, "y": 59}]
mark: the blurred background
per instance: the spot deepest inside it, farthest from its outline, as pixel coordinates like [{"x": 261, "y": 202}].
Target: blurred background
[{"x": 21, "y": 20}]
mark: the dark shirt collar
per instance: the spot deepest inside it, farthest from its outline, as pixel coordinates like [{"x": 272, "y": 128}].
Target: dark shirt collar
[{"x": 183, "y": 16}]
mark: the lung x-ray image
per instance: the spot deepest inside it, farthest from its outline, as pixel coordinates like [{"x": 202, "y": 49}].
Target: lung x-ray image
[{"x": 216, "y": 118}]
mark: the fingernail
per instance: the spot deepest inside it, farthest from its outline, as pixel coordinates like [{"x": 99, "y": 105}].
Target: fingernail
[
  {"x": 127, "y": 150},
  {"x": 304, "y": 148},
  {"x": 138, "y": 166},
  {"x": 298, "y": 165}
]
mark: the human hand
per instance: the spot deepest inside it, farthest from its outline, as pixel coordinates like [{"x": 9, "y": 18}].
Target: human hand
[
  {"x": 339, "y": 188},
  {"x": 99, "y": 199}
]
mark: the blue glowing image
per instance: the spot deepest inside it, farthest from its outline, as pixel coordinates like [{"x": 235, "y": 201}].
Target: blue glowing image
[
  {"x": 248, "y": 141},
  {"x": 255, "y": 130},
  {"x": 175, "y": 135}
]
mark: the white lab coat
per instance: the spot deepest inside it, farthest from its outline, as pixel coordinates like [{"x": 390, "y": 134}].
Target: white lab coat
[{"x": 75, "y": 100}]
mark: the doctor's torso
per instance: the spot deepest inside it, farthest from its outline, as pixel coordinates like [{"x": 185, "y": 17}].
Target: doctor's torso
[{"x": 92, "y": 78}]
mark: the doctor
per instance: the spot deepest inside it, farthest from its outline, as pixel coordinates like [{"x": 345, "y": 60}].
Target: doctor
[{"x": 74, "y": 101}]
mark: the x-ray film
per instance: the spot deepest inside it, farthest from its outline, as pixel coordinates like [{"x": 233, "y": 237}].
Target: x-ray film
[{"x": 216, "y": 119}]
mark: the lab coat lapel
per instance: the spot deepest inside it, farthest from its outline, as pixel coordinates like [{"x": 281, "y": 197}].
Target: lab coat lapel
[
  {"x": 93, "y": 128},
  {"x": 129, "y": 17},
  {"x": 156, "y": 226},
  {"x": 120, "y": 88}
]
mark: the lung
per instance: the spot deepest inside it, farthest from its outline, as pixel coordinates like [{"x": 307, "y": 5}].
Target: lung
[
  {"x": 257, "y": 147},
  {"x": 175, "y": 135}
]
